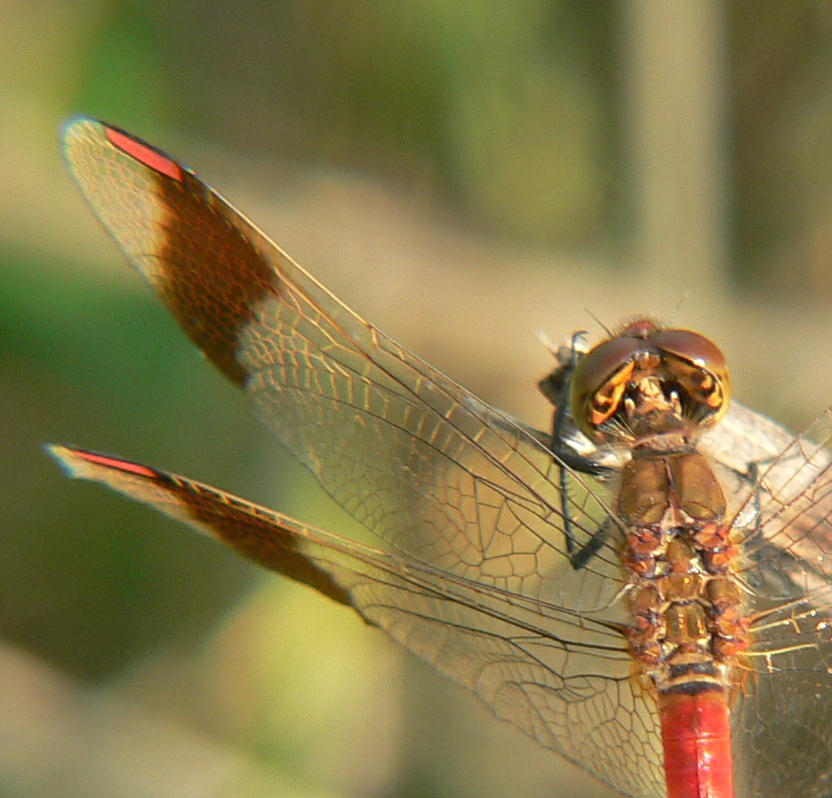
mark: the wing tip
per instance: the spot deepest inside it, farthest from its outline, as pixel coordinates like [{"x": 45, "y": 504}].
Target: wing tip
[
  {"x": 80, "y": 131},
  {"x": 76, "y": 121},
  {"x": 85, "y": 464},
  {"x": 76, "y": 128},
  {"x": 65, "y": 458}
]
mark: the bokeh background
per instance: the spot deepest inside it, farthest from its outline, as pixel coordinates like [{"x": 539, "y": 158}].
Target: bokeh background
[{"x": 463, "y": 174}]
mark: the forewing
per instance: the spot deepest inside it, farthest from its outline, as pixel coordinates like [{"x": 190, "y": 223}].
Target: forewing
[{"x": 432, "y": 470}]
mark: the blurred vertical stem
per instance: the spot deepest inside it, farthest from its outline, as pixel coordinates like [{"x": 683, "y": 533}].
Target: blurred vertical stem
[{"x": 676, "y": 115}]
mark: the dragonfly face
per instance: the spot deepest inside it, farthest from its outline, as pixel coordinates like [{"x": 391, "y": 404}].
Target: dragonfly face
[
  {"x": 517, "y": 562},
  {"x": 647, "y": 379}
]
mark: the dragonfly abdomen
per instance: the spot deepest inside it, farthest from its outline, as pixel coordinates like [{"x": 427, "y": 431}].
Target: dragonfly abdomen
[{"x": 688, "y": 627}]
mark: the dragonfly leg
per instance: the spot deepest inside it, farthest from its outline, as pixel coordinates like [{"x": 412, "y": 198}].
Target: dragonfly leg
[
  {"x": 580, "y": 557},
  {"x": 754, "y": 477},
  {"x": 556, "y": 388}
]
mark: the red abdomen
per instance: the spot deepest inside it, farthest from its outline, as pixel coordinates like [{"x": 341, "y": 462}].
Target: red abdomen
[{"x": 696, "y": 734}]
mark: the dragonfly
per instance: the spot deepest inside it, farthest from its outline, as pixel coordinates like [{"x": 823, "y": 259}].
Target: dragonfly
[{"x": 644, "y": 588}]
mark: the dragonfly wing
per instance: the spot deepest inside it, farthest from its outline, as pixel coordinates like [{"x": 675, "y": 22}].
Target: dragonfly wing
[
  {"x": 432, "y": 470},
  {"x": 561, "y": 676},
  {"x": 783, "y": 498},
  {"x": 782, "y": 715},
  {"x": 744, "y": 436}
]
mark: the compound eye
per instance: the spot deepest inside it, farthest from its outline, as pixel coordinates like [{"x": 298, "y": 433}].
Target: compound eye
[
  {"x": 599, "y": 382},
  {"x": 699, "y": 366},
  {"x": 696, "y": 349}
]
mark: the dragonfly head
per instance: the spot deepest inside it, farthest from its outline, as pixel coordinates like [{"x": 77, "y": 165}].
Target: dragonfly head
[{"x": 647, "y": 380}]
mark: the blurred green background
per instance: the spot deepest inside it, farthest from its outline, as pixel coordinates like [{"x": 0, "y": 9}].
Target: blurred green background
[{"x": 464, "y": 175}]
